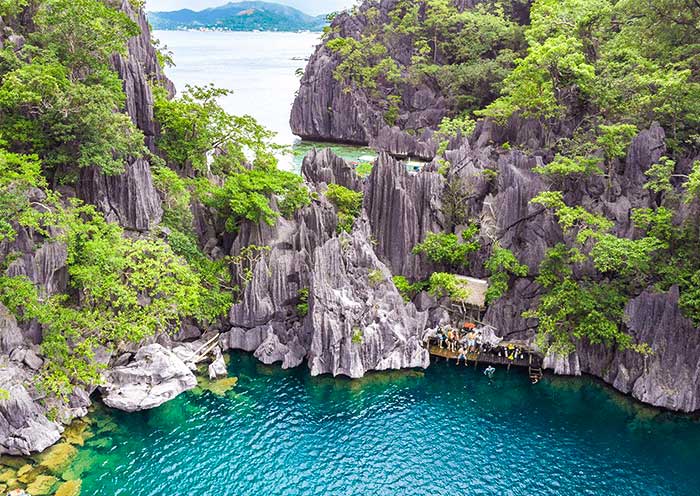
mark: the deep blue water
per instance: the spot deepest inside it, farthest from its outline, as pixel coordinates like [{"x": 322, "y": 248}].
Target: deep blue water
[{"x": 445, "y": 431}]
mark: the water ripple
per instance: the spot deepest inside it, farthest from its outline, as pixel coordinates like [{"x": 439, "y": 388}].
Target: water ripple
[{"x": 443, "y": 432}]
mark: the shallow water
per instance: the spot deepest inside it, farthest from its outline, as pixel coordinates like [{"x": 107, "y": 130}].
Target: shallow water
[{"x": 444, "y": 431}]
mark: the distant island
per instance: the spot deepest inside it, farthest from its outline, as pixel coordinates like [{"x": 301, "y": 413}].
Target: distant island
[{"x": 239, "y": 16}]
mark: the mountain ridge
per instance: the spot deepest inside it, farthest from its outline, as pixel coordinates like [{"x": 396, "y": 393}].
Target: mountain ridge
[{"x": 239, "y": 16}]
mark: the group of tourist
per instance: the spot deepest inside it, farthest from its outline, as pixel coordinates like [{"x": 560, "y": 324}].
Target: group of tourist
[
  {"x": 470, "y": 340},
  {"x": 461, "y": 341}
]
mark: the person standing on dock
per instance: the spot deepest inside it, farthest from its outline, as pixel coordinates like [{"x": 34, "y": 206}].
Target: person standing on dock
[{"x": 462, "y": 355}]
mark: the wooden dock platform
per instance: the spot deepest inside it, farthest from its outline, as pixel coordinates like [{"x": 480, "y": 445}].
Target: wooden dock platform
[{"x": 530, "y": 359}]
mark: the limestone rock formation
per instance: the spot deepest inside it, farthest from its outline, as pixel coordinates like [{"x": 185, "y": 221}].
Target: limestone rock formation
[
  {"x": 325, "y": 110},
  {"x": 353, "y": 325},
  {"x": 670, "y": 376},
  {"x": 358, "y": 320},
  {"x": 402, "y": 208},
  {"x": 155, "y": 375},
  {"x": 24, "y": 427},
  {"x": 130, "y": 198}
]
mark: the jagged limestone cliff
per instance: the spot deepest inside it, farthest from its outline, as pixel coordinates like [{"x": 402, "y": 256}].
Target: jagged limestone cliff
[{"x": 498, "y": 171}]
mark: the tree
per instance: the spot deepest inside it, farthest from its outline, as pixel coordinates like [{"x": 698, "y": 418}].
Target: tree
[
  {"x": 503, "y": 265},
  {"x": 18, "y": 175},
  {"x": 60, "y": 99},
  {"x": 348, "y": 204},
  {"x": 195, "y": 126},
  {"x": 449, "y": 249}
]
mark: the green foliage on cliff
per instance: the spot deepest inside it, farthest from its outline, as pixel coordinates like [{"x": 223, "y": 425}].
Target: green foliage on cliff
[
  {"x": 59, "y": 98},
  {"x": 409, "y": 290},
  {"x": 18, "y": 175},
  {"x": 348, "y": 204},
  {"x": 450, "y": 249},
  {"x": 446, "y": 285},
  {"x": 586, "y": 307},
  {"x": 120, "y": 290},
  {"x": 199, "y": 136},
  {"x": 625, "y": 61},
  {"x": 502, "y": 265},
  {"x": 466, "y": 54},
  {"x": 62, "y": 108}
]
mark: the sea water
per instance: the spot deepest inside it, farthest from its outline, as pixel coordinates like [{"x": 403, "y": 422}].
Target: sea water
[
  {"x": 260, "y": 68},
  {"x": 444, "y": 431}
]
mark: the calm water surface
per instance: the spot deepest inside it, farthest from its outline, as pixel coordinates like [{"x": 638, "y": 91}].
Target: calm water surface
[{"x": 445, "y": 431}]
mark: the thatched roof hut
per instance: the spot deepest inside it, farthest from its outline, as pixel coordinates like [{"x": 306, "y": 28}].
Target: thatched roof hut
[{"x": 476, "y": 289}]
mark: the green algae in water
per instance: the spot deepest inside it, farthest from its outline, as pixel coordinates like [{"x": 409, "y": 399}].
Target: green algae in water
[{"x": 444, "y": 431}]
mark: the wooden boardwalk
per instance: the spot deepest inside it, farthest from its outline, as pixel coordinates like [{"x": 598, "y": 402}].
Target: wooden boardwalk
[{"x": 530, "y": 359}]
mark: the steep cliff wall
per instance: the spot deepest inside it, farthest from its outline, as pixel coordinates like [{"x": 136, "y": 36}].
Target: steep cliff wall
[
  {"x": 326, "y": 109},
  {"x": 130, "y": 198}
]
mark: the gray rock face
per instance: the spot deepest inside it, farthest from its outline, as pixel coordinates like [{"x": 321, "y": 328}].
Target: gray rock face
[
  {"x": 306, "y": 253},
  {"x": 325, "y": 111},
  {"x": 10, "y": 334},
  {"x": 323, "y": 166},
  {"x": 130, "y": 198},
  {"x": 24, "y": 428},
  {"x": 670, "y": 377},
  {"x": 402, "y": 209},
  {"x": 155, "y": 375},
  {"x": 358, "y": 319}
]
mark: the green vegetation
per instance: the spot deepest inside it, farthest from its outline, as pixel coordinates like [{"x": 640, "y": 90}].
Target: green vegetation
[
  {"x": 376, "y": 277},
  {"x": 364, "y": 169},
  {"x": 447, "y": 249},
  {"x": 347, "y": 202},
  {"x": 303, "y": 305},
  {"x": 465, "y": 54},
  {"x": 407, "y": 290},
  {"x": 442, "y": 284},
  {"x": 59, "y": 99},
  {"x": 585, "y": 307},
  {"x": 61, "y": 108},
  {"x": 502, "y": 264},
  {"x": 626, "y": 62},
  {"x": 121, "y": 290}
]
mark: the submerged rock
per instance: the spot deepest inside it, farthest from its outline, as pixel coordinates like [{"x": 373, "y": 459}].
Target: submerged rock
[
  {"x": 155, "y": 376},
  {"x": 69, "y": 488},
  {"x": 57, "y": 458},
  {"x": 42, "y": 485}
]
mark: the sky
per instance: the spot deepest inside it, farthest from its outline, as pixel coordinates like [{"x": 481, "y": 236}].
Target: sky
[{"x": 313, "y": 7}]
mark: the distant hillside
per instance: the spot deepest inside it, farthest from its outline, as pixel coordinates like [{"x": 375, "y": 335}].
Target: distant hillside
[{"x": 239, "y": 16}]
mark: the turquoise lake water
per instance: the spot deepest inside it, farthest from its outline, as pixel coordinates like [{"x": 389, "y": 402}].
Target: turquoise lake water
[{"x": 445, "y": 431}]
